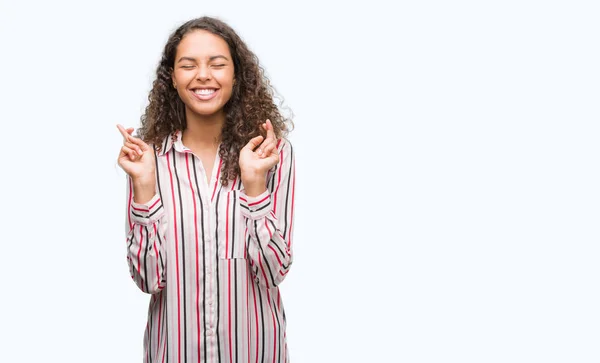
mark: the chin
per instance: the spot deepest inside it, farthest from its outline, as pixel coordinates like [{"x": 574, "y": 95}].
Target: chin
[{"x": 205, "y": 111}]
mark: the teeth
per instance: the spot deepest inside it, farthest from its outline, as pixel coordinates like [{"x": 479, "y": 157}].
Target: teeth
[{"x": 204, "y": 91}]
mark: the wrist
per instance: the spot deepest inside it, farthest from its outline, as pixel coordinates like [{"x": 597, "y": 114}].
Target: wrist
[
  {"x": 143, "y": 190},
  {"x": 143, "y": 181},
  {"x": 254, "y": 187},
  {"x": 254, "y": 191}
]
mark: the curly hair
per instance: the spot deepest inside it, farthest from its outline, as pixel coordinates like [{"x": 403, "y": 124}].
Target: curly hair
[{"x": 252, "y": 100}]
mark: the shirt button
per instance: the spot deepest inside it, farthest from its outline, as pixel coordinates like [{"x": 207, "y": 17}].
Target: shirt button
[
  {"x": 210, "y": 303},
  {"x": 209, "y": 332}
]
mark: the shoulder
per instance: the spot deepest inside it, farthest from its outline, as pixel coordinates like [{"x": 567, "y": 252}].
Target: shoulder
[
  {"x": 285, "y": 145},
  {"x": 286, "y": 153}
]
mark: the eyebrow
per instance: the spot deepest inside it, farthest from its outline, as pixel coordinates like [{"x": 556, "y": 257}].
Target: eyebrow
[
  {"x": 217, "y": 56},
  {"x": 209, "y": 59}
]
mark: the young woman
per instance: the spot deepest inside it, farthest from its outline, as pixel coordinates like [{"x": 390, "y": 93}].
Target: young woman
[{"x": 210, "y": 203}]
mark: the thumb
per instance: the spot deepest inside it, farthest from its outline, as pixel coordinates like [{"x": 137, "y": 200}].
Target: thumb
[{"x": 254, "y": 143}]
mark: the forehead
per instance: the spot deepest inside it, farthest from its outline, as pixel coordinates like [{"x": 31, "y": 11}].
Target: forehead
[{"x": 202, "y": 44}]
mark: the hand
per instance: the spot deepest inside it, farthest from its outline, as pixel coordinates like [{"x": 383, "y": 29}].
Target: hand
[
  {"x": 136, "y": 158},
  {"x": 256, "y": 158}
]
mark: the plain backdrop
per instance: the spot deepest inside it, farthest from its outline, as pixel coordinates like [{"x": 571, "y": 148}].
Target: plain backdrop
[{"x": 447, "y": 199}]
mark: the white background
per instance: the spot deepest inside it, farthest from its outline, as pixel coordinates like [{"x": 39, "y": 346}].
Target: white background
[{"x": 447, "y": 190}]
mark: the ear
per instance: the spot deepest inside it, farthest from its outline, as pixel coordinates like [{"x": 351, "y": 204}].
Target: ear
[{"x": 173, "y": 79}]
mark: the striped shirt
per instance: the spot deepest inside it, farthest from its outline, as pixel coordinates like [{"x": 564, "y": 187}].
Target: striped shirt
[{"x": 212, "y": 258}]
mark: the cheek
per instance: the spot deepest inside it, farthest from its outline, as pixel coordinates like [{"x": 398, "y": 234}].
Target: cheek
[
  {"x": 179, "y": 78},
  {"x": 228, "y": 83},
  {"x": 227, "y": 79}
]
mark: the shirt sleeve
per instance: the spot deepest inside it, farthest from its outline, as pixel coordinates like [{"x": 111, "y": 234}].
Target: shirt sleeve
[
  {"x": 268, "y": 220},
  {"x": 145, "y": 231}
]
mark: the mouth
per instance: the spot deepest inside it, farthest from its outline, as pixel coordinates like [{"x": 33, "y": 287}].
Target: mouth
[{"x": 204, "y": 94}]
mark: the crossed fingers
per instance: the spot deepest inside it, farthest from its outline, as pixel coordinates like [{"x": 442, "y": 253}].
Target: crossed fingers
[
  {"x": 132, "y": 146},
  {"x": 270, "y": 143}
]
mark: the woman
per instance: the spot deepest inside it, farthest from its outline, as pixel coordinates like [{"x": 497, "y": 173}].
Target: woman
[{"x": 210, "y": 203}]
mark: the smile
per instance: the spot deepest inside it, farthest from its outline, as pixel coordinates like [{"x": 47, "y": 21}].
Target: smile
[{"x": 204, "y": 94}]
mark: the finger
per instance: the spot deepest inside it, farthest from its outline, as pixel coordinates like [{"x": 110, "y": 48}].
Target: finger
[
  {"x": 272, "y": 159},
  {"x": 127, "y": 136},
  {"x": 268, "y": 126},
  {"x": 272, "y": 147},
  {"x": 129, "y": 152},
  {"x": 140, "y": 143},
  {"x": 124, "y": 133},
  {"x": 133, "y": 146},
  {"x": 253, "y": 143},
  {"x": 262, "y": 149},
  {"x": 270, "y": 130}
]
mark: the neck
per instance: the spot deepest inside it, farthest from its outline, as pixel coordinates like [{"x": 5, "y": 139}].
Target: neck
[{"x": 203, "y": 132}]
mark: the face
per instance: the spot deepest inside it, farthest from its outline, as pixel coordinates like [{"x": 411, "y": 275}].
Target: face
[{"x": 203, "y": 73}]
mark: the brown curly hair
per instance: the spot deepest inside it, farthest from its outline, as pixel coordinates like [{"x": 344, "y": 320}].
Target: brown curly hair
[{"x": 252, "y": 100}]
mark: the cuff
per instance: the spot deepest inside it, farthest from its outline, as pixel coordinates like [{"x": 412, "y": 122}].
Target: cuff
[
  {"x": 147, "y": 213},
  {"x": 255, "y": 207}
]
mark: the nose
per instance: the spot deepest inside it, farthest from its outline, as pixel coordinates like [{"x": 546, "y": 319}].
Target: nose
[{"x": 203, "y": 73}]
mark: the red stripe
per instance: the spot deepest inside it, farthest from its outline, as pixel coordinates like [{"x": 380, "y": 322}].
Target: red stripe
[
  {"x": 263, "y": 271},
  {"x": 140, "y": 209},
  {"x": 187, "y": 165},
  {"x": 176, "y": 262},
  {"x": 274, "y": 326},
  {"x": 248, "y": 310},
  {"x": 129, "y": 203},
  {"x": 275, "y": 253},
  {"x": 157, "y": 259},
  {"x": 210, "y": 288},
  {"x": 260, "y": 201},
  {"x": 138, "y": 256},
  {"x": 227, "y": 230},
  {"x": 229, "y": 302},
  {"x": 159, "y": 319},
  {"x": 268, "y": 229},
  {"x": 216, "y": 180},
  {"x": 256, "y": 320},
  {"x": 245, "y": 238},
  {"x": 276, "y": 190},
  {"x": 228, "y": 272},
  {"x": 155, "y": 203},
  {"x": 292, "y": 213}
]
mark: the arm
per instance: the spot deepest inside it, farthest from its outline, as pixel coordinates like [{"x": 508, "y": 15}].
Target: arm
[
  {"x": 145, "y": 230},
  {"x": 268, "y": 221},
  {"x": 145, "y": 224}
]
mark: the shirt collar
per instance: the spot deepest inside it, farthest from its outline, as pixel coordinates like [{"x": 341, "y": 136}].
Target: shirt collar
[{"x": 173, "y": 141}]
